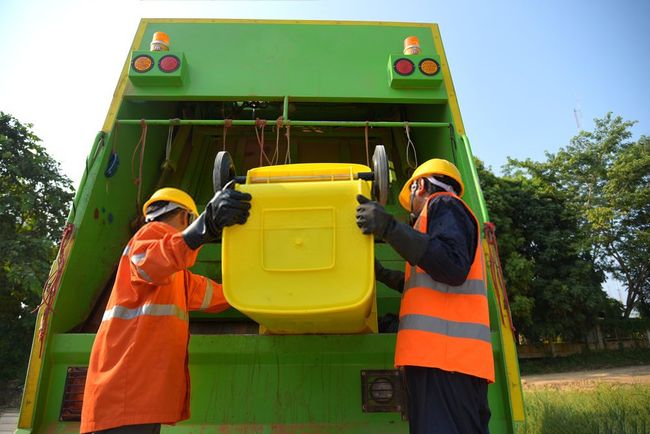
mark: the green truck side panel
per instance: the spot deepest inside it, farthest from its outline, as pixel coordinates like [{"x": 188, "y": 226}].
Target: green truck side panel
[{"x": 329, "y": 71}]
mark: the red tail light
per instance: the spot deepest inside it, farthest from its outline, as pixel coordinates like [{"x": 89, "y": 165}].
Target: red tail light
[
  {"x": 169, "y": 63},
  {"x": 404, "y": 66}
]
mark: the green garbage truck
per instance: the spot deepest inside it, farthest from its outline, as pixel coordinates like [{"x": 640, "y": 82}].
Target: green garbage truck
[{"x": 263, "y": 93}]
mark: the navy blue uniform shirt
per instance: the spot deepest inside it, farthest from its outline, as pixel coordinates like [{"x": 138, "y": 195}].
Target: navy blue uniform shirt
[
  {"x": 452, "y": 241},
  {"x": 452, "y": 245}
]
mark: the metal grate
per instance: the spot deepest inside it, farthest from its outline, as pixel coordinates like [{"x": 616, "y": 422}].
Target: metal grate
[{"x": 73, "y": 394}]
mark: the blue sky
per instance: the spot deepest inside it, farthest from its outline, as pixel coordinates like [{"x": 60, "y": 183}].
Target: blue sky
[{"x": 520, "y": 68}]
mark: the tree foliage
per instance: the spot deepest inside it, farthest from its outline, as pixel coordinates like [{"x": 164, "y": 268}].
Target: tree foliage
[
  {"x": 607, "y": 176},
  {"x": 34, "y": 197},
  {"x": 553, "y": 286}
]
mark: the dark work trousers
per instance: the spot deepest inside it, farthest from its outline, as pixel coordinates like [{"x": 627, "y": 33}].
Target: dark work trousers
[
  {"x": 149, "y": 428},
  {"x": 441, "y": 402}
]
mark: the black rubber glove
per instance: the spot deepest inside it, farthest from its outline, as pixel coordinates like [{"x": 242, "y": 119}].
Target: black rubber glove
[
  {"x": 388, "y": 323},
  {"x": 408, "y": 242},
  {"x": 372, "y": 218},
  {"x": 226, "y": 208},
  {"x": 394, "y": 279}
]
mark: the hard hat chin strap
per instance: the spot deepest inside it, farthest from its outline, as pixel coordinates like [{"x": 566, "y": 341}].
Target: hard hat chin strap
[
  {"x": 441, "y": 184},
  {"x": 151, "y": 216},
  {"x": 414, "y": 189}
]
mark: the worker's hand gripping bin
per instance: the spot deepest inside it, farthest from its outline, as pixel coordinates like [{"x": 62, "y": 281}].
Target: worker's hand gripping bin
[{"x": 300, "y": 264}]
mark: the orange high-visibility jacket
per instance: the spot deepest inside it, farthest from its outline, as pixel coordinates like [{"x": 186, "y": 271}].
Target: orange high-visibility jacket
[
  {"x": 443, "y": 326},
  {"x": 138, "y": 370}
]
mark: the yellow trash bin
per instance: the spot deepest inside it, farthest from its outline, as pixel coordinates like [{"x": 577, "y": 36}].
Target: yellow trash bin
[{"x": 300, "y": 264}]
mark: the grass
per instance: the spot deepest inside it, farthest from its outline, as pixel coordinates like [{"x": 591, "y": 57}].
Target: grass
[
  {"x": 601, "y": 409},
  {"x": 586, "y": 361}
]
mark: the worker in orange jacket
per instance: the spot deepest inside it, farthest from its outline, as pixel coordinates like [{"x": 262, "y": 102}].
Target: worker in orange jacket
[
  {"x": 138, "y": 376},
  {"x": 443, "y": 340}
]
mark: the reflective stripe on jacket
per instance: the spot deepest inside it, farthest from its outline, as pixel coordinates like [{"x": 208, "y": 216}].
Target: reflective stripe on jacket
[
  {"x": 138, "y": 370},
  {"x": 443, "y": 326}
]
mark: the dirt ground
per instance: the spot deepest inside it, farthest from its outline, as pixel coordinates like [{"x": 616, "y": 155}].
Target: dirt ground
[{"x": 587, "y": 379}]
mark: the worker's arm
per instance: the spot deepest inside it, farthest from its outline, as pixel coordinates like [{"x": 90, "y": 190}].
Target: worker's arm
[
  {"x": 226, "y": 208},
  {"x": 204, "y": 294},
  {"x": 394, "y": 279},
  {"x": 445, "y": 252},
  {"x": 452, "y": 241},
  {"x": 372, "y": 218},
  {"x": 156, "y": 252}
]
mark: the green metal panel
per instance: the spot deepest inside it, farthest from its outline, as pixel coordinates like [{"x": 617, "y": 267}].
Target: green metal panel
[
  {"x": 319, "y": 62},
  {"x": 250, "y": 383}
]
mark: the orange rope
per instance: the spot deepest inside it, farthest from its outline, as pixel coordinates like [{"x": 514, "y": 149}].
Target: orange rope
[
  {"x": 287, "y": 156},
  {"x": 52, "y": 284},
  {"x": 276, "y": 153},
  {"x": 260, "y": 124},
  {"x": 141, "y": 144},
  {"x": 497, "y": 271},
  {"x": 227, "y": 123}
]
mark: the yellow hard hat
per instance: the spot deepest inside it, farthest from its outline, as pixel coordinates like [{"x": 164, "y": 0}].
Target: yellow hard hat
[
  {"x": 435, "y": 166},
  {"x": 172, "y": 195}
]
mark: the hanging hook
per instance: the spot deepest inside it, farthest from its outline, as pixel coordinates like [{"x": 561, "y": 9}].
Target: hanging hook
[{"x": 410, "y": 145}]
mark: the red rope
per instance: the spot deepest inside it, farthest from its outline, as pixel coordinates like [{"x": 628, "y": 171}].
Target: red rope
[
  {"x": 276, "y": 153},
  {"x": 497, "y": 271},
  {"x": 227, "y": 123},
  {"x": 287, "y": 156},
  {"x": 52, "y": 284},
  {"x": 141, "y": 144},
  {"x": 261, "y": 124}
]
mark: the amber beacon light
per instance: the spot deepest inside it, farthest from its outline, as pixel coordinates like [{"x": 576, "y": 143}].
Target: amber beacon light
[
  {"x": 160, "y": 42},
  {"x": 412, "y": 45}
]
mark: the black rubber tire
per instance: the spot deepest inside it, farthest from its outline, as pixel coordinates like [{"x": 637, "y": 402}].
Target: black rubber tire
[
  {"x": 223, "y": 171},
  {"x": 381, "y": 174}
]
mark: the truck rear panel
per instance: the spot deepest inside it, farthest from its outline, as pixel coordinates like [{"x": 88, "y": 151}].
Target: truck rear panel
[{"x": 325, "y": 92}]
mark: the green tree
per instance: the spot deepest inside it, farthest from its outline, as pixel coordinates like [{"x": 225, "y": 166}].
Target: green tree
[
  {"x": 608, "y": 176},
  {"x": 553, "y": 286},
  {"x": 34, "y": 197}
]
